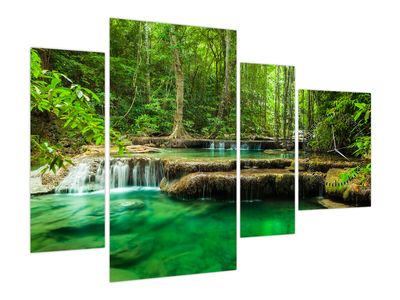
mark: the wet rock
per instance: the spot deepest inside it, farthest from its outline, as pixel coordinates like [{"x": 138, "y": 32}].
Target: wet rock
[
  {"x": 349, "y": 192},
  {"x": 279, "y": 163},
  {"x": 50, "y": 182},
  {"x": 46, "y": 182},
  {"x": 220, "y": 185},
  {"x": 323, "y": 165},
  {"x": 131, "y": 252},
  {"x": 311, "y": 184},
  {"x": 126, "y": 204},
  {"x": 175, "y": 169},
  {"x": 263, "y": 183}
]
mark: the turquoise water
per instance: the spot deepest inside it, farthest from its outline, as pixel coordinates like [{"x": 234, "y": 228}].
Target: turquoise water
[
  {"x": 67, "y": 221},
  {"x": 153, "y": 235},
  {"x": 270, "y": 217},
  {"x": 201, "y": 154}
]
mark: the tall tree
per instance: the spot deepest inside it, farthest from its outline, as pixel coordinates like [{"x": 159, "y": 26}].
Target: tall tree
[
  {"x": 277, "y": 103},
  {"x": 147, "y": 45},
  {"x": 225, "y": 99},
  {"x": 178, "y": 130},
  {"x": 285, "y": 103}
]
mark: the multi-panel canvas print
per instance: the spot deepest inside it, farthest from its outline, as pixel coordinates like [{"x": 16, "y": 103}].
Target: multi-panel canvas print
[
  {"x": 335, "y": 149},
  {"x": 267, "y": 121},
  {"x": 173, "y": 150},
  {"x": 67, "y": 149}
]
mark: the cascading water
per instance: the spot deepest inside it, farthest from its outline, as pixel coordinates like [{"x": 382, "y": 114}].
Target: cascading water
[
  {"x": 212, "y": 146},
  {"x": 221, "y": 146},
  {"x": 136, "y": 172},
  {"x": 87, "y": 176},
  {"x": 119, "y": 174},
  {"x": 244, "y": 147}
]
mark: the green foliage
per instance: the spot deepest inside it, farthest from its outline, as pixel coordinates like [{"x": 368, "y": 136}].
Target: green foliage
[
  {"x": 50, "y": 154},
  {"x": 54, "y": 93},
  {"x": 267, "y": 101},
  {"x": 143, "y": 83},
  {"x": 347, "y": 114}
]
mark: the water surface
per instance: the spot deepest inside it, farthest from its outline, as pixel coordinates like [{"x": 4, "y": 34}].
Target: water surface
[
  {"x": 153, "y": 235},
  {"x": 67, "y": 221},
  {"x": 209, "y": 154},
  {"x": 270, "y": 217}
]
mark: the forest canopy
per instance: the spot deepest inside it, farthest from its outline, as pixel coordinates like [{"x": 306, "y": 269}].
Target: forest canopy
[
  {"x": 267, "y": 94},
  {"x": 172, "y": 80},
  {"x": 67, "y": 104}
]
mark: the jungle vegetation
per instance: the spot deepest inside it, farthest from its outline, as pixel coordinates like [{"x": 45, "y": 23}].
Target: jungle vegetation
[
  {"x": 344, "y": 118},
  {"x": 267, "y": 94},
  {"x": 172, "y": 80},
  {"x": 67, "y": 104}
]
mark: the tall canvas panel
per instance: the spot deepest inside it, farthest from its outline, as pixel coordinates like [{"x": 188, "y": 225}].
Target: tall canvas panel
[
  {"x": 67, "y": 149},
  {"x": 267, "y": 121},
  {"x": 335, "y": 149},
  {"x": 173, "y": 150}
]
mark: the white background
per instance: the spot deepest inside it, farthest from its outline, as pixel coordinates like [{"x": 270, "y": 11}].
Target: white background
[{"x": 335, "y": 254}]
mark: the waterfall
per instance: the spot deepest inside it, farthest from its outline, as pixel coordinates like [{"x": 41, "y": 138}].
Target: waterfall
[
  {"x": 119, "y": 174},
  {"x": 212, "y": 146},
  {"x": 136, "y": 172},
  {"x": 221, "y": 146},
  {"x": 87, "y": 176},
  {"x": 244, "y": 147}
]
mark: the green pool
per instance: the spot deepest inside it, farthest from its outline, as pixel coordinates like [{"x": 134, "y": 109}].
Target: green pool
[
  {"x": 67, "y": 221},
  {"x": 153, "y": 235},
  {"x": 271, "y": 217}
]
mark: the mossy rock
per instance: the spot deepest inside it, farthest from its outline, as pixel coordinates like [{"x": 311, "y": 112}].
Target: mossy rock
[
  {"x": 311, "y": 184},
  {"x": 349, "y": 192},
  {"x": 264, "y": 183},
  {"x": 219, "y": 185},
  {"x": 175, "y": 169},
  {"x": 279, "y": 163},
  {"x": 323, "y": 165}
]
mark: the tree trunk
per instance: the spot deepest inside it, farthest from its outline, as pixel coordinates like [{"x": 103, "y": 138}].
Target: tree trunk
[
  {"x": 277, "y": 102},
  {"x": 179, "y": 131},
  {"x": 309, "y": 111},
  {"x": 265, "y": 100},
  {"x": 147, "y": 47},
  {"x": 223, "y": 107},
  {"x": 285, "y": 103}
]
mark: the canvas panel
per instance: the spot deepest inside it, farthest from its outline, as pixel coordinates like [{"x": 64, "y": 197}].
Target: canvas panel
[
  {"x": 67, "y": 149},
  {"x": 335, "y": 149},
  {"x": 173, "y": 168},
  {"x": 267, "y": 120}
]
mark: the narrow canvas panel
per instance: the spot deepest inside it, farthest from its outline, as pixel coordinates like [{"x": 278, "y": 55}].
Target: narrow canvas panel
[
  {"x": 173, "y": 153},
  {"x": 335, "y": 149},
  {"x": 267, "y": 121},
  {"x": 67, "y": 149}
]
